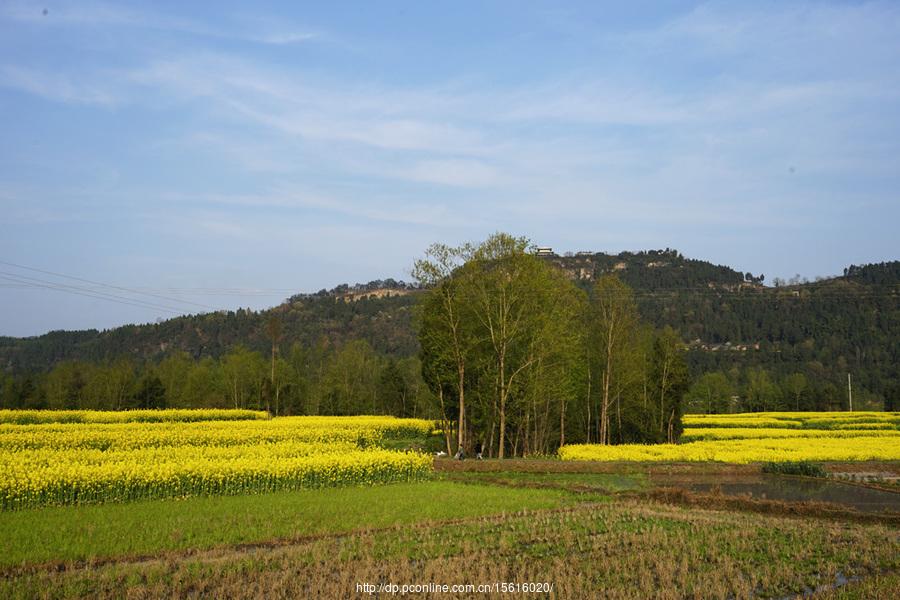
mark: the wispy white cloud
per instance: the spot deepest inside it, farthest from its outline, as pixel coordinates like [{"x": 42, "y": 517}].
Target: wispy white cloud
[
  {"x": 55, "y": 86},
  {"x": 734, "y": 143},
  {"x": 463, "y": 173},
  {"x": 294, "y": 197},
  {"x": 249, "y": 153}
]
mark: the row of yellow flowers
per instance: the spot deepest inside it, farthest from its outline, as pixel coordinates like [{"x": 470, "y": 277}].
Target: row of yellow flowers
[
  {"x": 23, "y": 417},
  {"x": 364, "y": 431},
  {"x": 66, "y": 463},
  {"x": 764, "y": 437},
  {"x": 745, "y": 450},
  {"x": 41, "y": 477},
  {"x": 693, "y": 434},
  {"x": 799, "y": 420}
]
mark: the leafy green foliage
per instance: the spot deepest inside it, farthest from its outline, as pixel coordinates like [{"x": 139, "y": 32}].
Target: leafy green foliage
[{"x": 804, "y": 468}]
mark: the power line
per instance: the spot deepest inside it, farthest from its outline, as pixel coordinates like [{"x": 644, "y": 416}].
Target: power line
[
  {"x": 114, "y": 287},
  {"x": 19, "y": 279}
]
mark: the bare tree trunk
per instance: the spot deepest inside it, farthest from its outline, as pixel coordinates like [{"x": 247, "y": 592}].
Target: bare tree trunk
[
  {"x": 662, "y": 394},
  {"x": 545, "y": 429},
  {"x": 607, "y": 376},
  {"x": 619, "y": 413},
  {"x": 461, "y": 371},
  {"x": 526, "y": 443},
  {"x": 491, "y": 443},
  {"x": 515, "y": 442},
  {"x": 501, "y": 453},
  {"x": 272, "y": 382},
  {"x": 562, "y": 421},
  {"x": 589, "y": 422},
  {"x": 604, "y": 406},
  {"x": 445, "y": 423}
]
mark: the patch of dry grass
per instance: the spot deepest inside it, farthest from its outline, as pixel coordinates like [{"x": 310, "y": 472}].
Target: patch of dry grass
[{"x": 625, "y": 549}]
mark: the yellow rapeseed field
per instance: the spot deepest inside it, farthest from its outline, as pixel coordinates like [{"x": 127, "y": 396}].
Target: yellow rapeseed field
[
  {"x": 72, "y": 462},
  {"x": 798, "y": 420},
  {"x": 22, "y": 417},
  {"x": 765, "y": 437},
  {"x": 693, "y": 434}
]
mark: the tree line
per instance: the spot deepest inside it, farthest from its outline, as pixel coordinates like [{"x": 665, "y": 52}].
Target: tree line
[
  {"x": 320, "y": 379},
  {"x": 512, "y": 351},
  {"x": 756, "y": 389},
  {"x": 521, "y": 360},
  {"x": 822, "y": 330}
]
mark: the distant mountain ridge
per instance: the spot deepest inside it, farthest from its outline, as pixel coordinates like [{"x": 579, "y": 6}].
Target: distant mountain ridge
[
  {"x": 727, "y": 318},
  {"x": 653, "y": 270}
]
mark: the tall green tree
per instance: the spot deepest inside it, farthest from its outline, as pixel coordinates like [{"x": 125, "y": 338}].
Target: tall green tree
[
  {"x": 444, "y": 330},
  {"x": 760, "y": 392},
  {"x": 511, "y": 290},
  {"x": 671, "y": 381},
  {"x": 243, "y": 371},
  {"x": 349, "y": 385},
  {"x": 710, "y": 394},
  {"x": 65, "y": 385},
  {"x": 151, "y": 393},
  {"x": 273, "y": 331},
  {"x": 795, "y": 386},
  {"x": 205, "y": 386},
  {"x": 500, "y": 342},
  {"x": 614, "y": 320},
  {"x": 393, "y": 390},
  {"x": 173, "y": 371}
]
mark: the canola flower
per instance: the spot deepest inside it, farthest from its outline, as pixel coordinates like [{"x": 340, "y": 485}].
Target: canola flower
[
  {"x": 765, "y": 437},
  {"x": 71, "y": 463},
  {"x": 693, "y": 434},
  {"x": 22, "y": 417},
  {"x": 798, "y": 420},
  {"x": 364, "y": 431},
  {"x": 744, "y": 450}
]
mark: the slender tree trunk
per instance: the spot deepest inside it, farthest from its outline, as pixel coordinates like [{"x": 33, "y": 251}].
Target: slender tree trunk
[
  {"x": 445, "y": 423},
  {"x": 604, "y": 407},
  {"x": 461, "y": 371},
  {"x": 607, "y": 376},
  {"x": 272, "y": 381},
  {"x": 589, "y": 422},
  {"x": 526, "y": 434},
  {"x": 503, "y": 390},
  {"x": 491, "y": 443},
  {"x": 619, "y": 413},
  {"x": 562, "y": 421},
  {"x": 662, "y": 394}
]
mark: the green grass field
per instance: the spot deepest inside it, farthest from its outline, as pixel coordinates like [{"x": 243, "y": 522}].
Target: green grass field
[
  {"x": 575, "y": 531},
  {"x": 87, "y": 533}
]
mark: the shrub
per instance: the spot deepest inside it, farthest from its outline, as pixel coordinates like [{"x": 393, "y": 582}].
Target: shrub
[{"x": 802, "y": 467}]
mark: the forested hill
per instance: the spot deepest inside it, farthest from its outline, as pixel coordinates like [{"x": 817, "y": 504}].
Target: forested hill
[
  {"x": 382, "y": 316},
  {"x": 729, "y": 320},
  {"x": 653, "y": 270}
]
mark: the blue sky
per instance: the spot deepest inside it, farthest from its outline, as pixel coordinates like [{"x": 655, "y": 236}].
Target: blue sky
[{"x": 228, "y": 155}]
